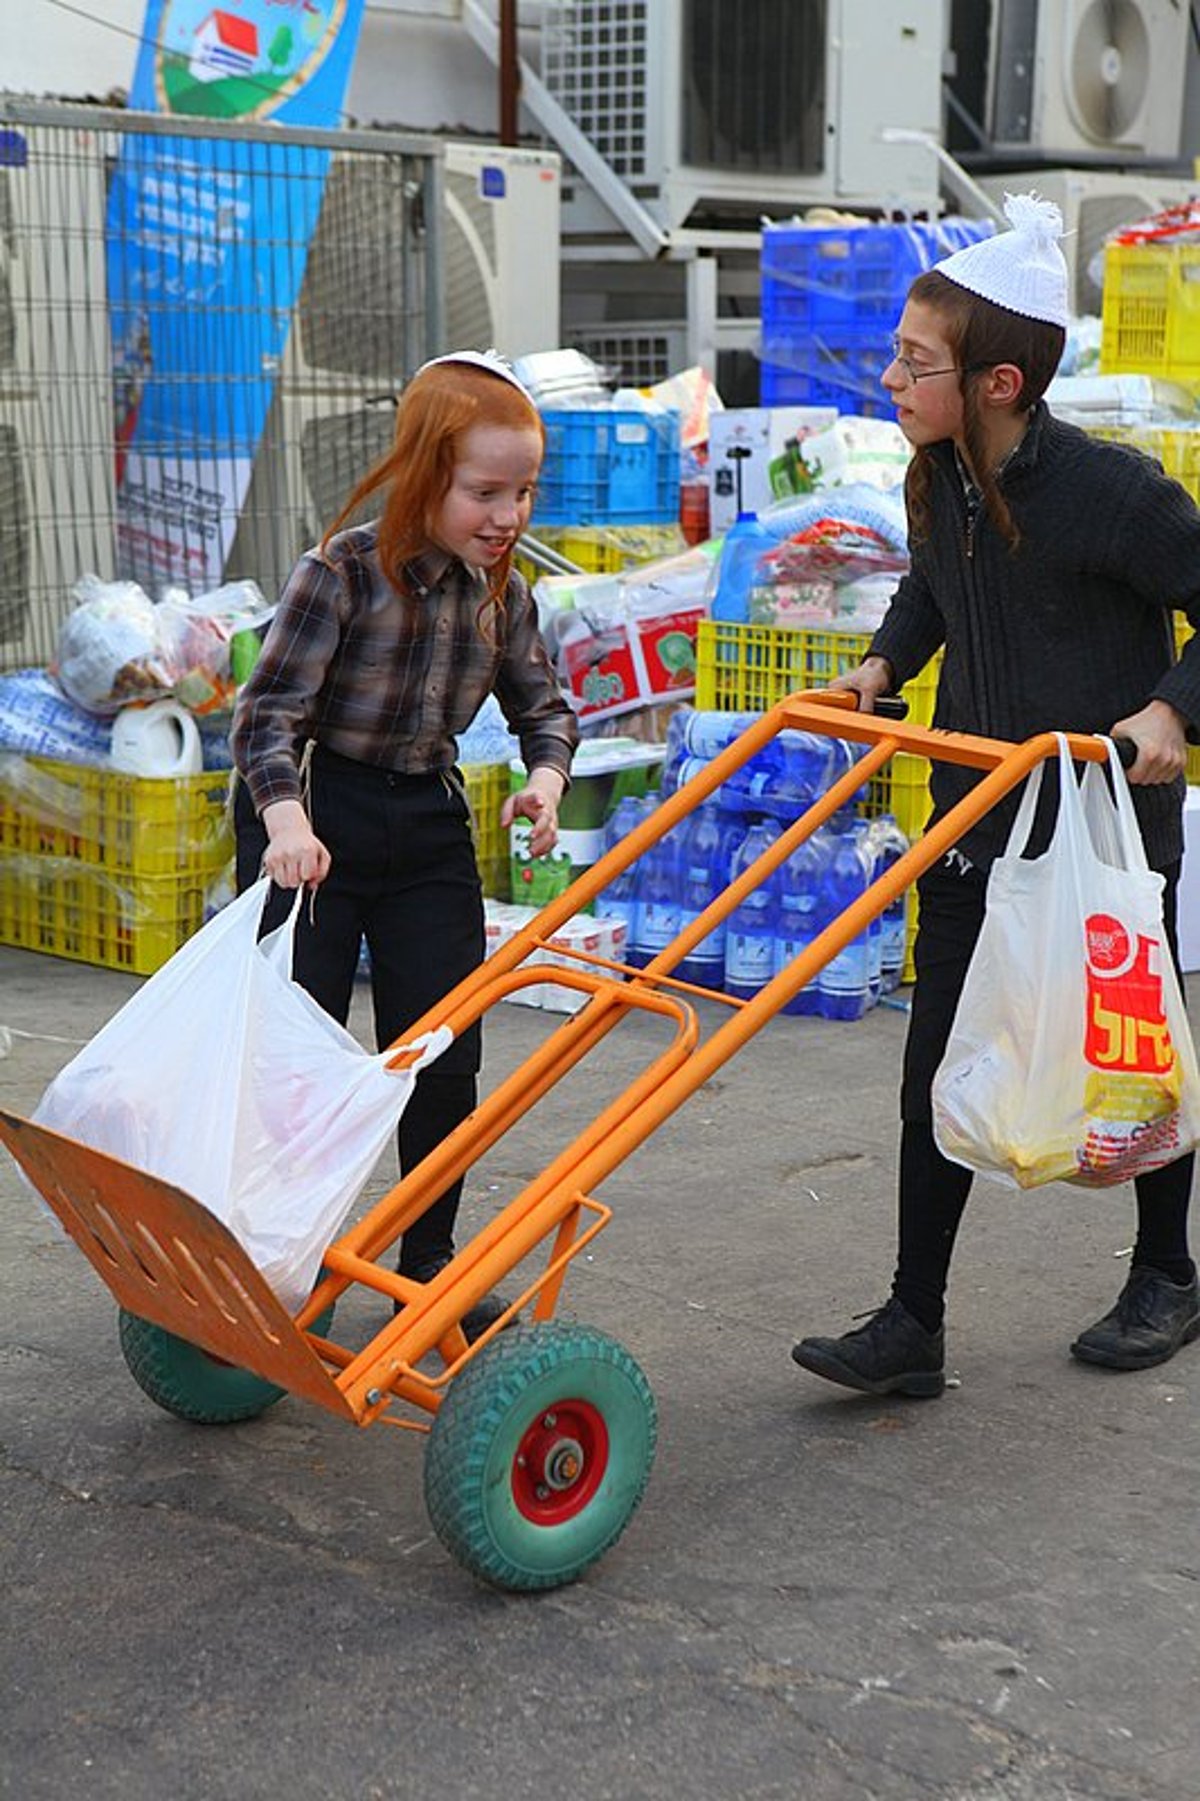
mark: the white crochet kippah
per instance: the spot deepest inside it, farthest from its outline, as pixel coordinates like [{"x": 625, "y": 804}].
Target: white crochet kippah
[
  {"x": 1022, "y": 269},
  {"x": 491, "y": 360}
]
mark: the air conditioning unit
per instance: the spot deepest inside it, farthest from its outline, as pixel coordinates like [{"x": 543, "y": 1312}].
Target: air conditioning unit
[
  {"x": 56, "y": 399},
  {"x": 501, "y": 248},
  {"x": 711, "y": 110},
  {"x": 1101, "y": 78},
  {"x": 331, "y": 417},
  {"x": 1093, "y": 203}
]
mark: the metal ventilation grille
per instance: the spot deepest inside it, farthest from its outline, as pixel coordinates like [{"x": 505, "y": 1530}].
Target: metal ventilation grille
[
  {"x": 14, "y": 538},
  {"x": 594, "y": 64},
  {"x": 468, "y": 313},
  {"x": 754, "y": 85},
  {"x": 633, "y": 358},
  {"x": 359, "y": 280},
  {"x": 337, "y": 450},
  {"x": 8, "y": 315}
]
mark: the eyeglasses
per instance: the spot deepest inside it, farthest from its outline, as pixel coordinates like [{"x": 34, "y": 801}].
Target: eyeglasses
[{"x": 915, "y": 375}]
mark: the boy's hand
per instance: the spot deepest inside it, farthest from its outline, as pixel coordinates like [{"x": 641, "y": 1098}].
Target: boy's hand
[
  {"x": 872, "y": 678},
  {"x": 1160, "y": 735}
]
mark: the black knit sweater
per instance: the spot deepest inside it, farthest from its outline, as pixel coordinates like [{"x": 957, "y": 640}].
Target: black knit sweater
[{"x": 1070, "y": 632}]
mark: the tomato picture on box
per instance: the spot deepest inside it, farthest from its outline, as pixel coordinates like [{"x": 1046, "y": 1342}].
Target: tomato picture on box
[{"x": 632, "y": 664}]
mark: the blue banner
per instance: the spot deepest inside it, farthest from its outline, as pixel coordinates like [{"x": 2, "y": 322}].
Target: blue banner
[{"x": 207, "y": 243}]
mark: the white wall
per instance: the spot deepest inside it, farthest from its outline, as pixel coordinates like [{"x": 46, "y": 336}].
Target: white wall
[{"x": 416, "y": 66}]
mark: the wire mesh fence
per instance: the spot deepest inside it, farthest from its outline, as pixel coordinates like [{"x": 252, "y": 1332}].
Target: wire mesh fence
[{"x": 203, "y": 329}]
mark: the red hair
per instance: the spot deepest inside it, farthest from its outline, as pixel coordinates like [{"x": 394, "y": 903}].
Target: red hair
[{"x": 438, "y": 407}]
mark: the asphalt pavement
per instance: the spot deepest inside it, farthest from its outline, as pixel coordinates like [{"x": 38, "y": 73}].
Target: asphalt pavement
[{"x": 994, "y": 1596}]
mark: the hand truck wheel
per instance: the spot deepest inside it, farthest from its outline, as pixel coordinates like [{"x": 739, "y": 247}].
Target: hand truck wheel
[
  {"x": 539, "y": 1455},
  {"x": 189, "y": 1382}
]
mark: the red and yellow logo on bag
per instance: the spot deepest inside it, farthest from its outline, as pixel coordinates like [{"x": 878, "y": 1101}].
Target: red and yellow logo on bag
[{"x": 1131, "y": 1100}]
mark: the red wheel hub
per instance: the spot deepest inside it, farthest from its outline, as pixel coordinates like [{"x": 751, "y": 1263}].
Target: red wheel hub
[{"x": 560, "y": 1462}]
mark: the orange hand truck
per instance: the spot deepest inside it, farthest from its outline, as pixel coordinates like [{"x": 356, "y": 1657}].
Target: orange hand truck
[{"x": 541, "y": 1438}]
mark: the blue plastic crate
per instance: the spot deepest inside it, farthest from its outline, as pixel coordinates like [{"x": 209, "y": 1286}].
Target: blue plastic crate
[
  {"x": 836, "y": 278},
  {"x": 826, "y": 369},
  {"x": 609, "y": 466}
]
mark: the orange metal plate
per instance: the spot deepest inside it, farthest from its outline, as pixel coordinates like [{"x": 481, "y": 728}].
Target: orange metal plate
[{"x": 169, "y": 1260}]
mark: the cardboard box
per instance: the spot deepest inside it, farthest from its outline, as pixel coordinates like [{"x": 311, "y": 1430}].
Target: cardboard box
[
  {"x": 750, "y": 439},
  {"x": 599, "y": 936}
]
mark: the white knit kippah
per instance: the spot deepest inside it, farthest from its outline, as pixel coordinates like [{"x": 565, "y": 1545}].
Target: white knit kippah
[
  {"x": 491, "y": 360},
  {"x": 1023, "y": 269}
]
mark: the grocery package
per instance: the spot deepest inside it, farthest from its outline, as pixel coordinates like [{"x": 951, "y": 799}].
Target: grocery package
[
  {"x": 38, "y": 720},
  {"x": 624, "y": 641},
  {"x": 118, "y": 646},
  {"x": 824, "y": 559}
]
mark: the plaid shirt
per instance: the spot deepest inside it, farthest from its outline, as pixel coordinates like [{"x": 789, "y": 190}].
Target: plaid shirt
[{"x": 390, "y": 679}]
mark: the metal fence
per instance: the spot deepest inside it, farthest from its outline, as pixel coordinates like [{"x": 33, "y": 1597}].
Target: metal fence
[{"x": 319, "y": 292}]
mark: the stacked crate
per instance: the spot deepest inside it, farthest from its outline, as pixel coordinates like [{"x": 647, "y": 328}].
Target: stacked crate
[
  {"x": 120, "y": 870},
  {"x": 608, "y": 466},
  {"x": 832, "y": 297},
  {"x": 748, "y": 668},
  {"x": 110, "y": 869},
  {"x": 1150, "y": 322}
]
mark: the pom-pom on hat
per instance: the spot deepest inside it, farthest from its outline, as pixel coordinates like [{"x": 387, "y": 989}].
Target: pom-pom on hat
[
  {"x": 1023, "y": 269},
  {"x": 491, "y": 360}
]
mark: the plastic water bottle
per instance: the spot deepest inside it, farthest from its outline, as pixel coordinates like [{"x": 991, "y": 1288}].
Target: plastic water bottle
[
  {"x": 890, "y": 842},
  {"x": 750, "y": 932},
  {"x": 706, "y": 732},
  {"x": 844, "y": 988},
  {"x": 799, "y": 774},
  {"x": 746, "y": 543},
  {"x": 676, "y": 749},
  {"x": 682, "y": 773},
  {"x": 703, "y": 874},
  {"x": 656, "y": 916},
  {"x": 866, "y": 850},
  {"x": 802, "y": 910},
  {"x": 747, "y": 787},
  {"x": 619, "y": 899},
  {"x": 844, "y": 756}
]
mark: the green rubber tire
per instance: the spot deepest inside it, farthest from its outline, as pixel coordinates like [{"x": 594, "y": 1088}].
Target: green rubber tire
[
  {"x": 188, "y": 1382},
  {"x": 560, "y": 1402}
]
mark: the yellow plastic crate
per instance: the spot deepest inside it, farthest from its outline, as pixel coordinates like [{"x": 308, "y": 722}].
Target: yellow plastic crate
[
  {"x": 605, "y": 549},
  {"x": 67, "y": 908},
  {"x": 1150, "y": 320},
  {"x": 1176, "y": 447},
  {"x": 747, "y": 668},
  {"x": 487, "y": 788},
  {"x": 122, "y": 824}
]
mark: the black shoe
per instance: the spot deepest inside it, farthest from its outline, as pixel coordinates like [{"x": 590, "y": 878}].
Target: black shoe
[
  {"x": 891, "y": 1354},
  {"x": 476, "y": 1320},
  {"x": 1152, "y": 1318}
]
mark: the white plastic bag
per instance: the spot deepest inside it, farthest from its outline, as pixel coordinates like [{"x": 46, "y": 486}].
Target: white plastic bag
[
  {"x": 224, "y": 1077},
  {"x": 1070, "y": 1057}
]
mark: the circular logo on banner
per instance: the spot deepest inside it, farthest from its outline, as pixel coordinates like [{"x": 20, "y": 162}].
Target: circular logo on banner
[
  {"x": 242, "y": 61},
  {"x": 1110, "y": 950}
]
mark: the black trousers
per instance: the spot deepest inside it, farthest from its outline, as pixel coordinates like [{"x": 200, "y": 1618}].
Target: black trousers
[
  {"x": 934, "y": 1191},
  {"x": 403, "y": 875}
]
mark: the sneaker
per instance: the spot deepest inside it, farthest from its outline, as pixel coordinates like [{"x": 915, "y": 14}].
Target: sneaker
[
  {"x": 1152, "y": 1318},
  {"x": 476, "y": 1320},
  {"x": 891, "y": 1354}
]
